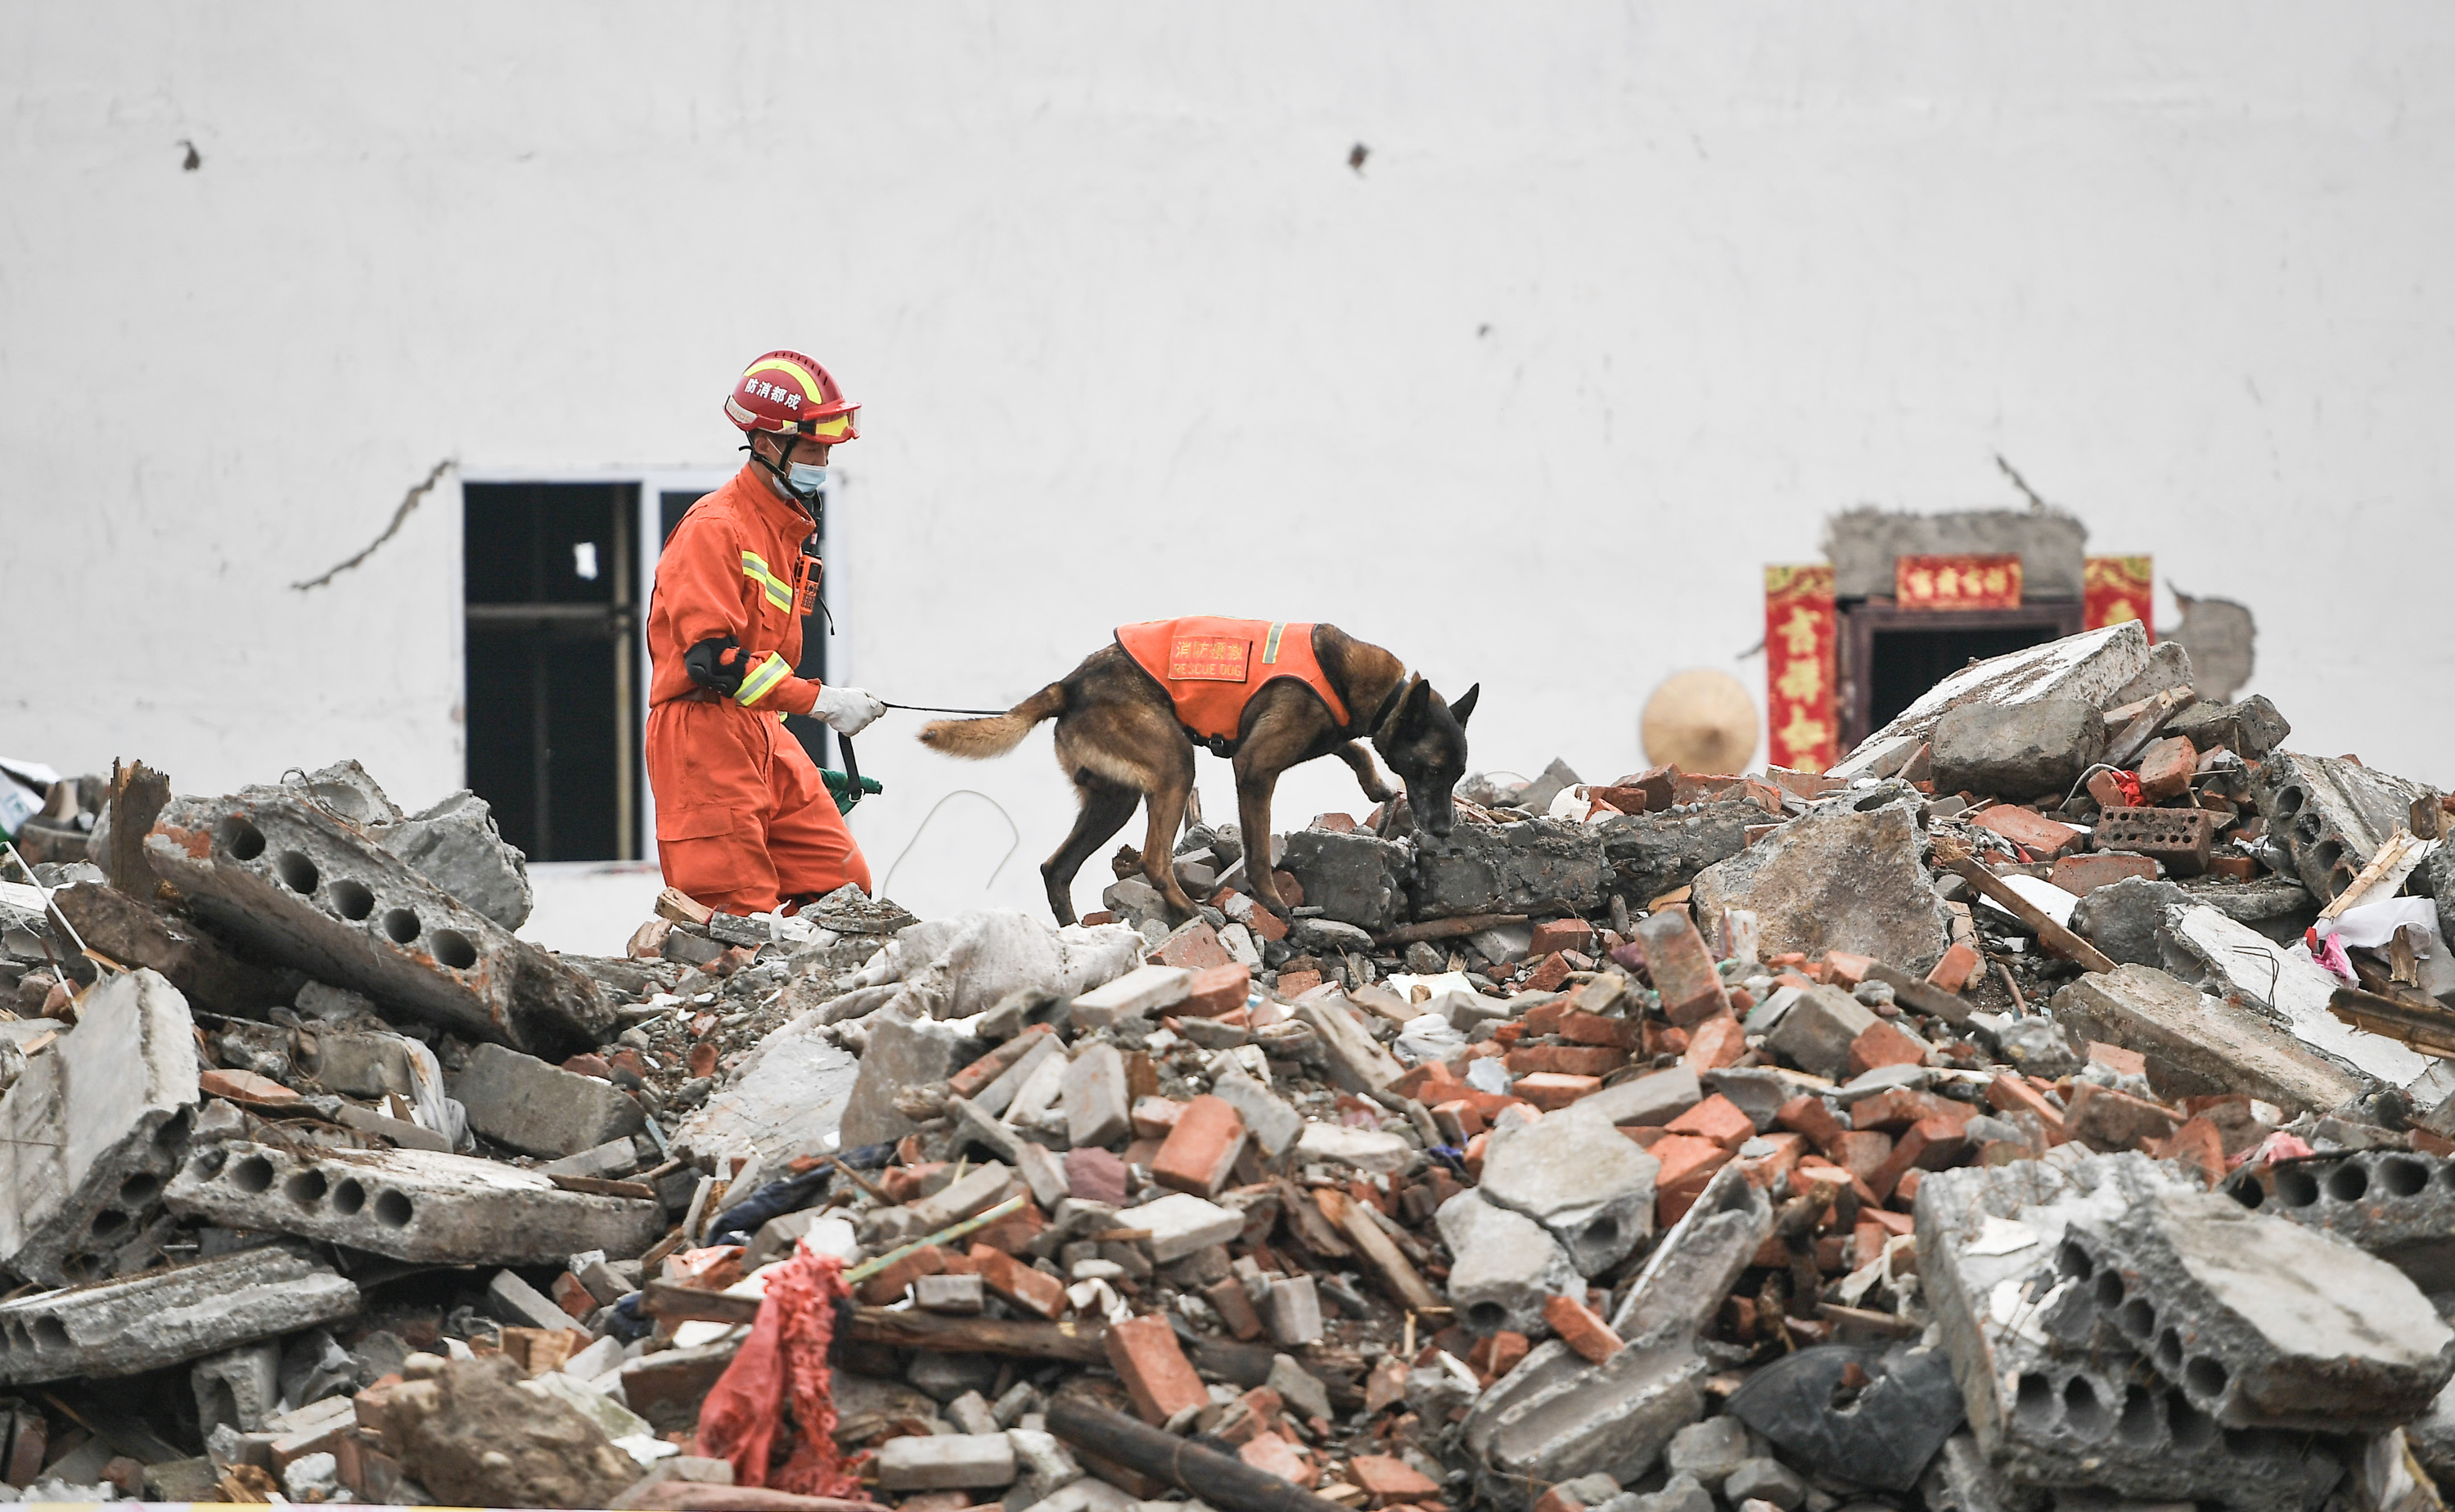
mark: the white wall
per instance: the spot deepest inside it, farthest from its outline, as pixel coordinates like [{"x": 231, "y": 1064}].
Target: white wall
[{"x": 1625, "y": 299}]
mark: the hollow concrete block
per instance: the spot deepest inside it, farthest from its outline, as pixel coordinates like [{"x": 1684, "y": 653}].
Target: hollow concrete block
[
  {"x": 166, "y": 1317},
  {"x": 410, "y": 1204},
  {"x": 2263, "y": 1323},
  {"x": 304, "y": 887},
  {"x": 91, "y": 1130},
  {"x": 2397, "y": 1204}
]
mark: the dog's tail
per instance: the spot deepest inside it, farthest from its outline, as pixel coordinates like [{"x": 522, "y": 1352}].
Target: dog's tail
[{"x": 977, "y": 739}]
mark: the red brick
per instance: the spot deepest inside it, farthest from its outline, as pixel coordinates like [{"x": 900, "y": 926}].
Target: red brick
[
  {"x": 2197, "y": 1147},
  {"x": 2117, "y": 1059},
  {"x": 1885, "y": 1043},
  {"x": 1687, "y": 1159},
  {"x": 2107, "y": 1120},
  {"x": 1628, "y": 800},
  {"x": 2028, "y": 829},
  {"x": 1216, "y": 990},
  {"x": 890, "y": 1284},
  {"x": 1544, "y": 1017},
  {"x": 1576, "y": 1061},
  {"x": 1013, "y": 1233},
  {"x": 1152, "y": 1117},
  {"x": 1386, "y": 1478},
  {"x": 572, "y": 1297},
  {"x": 1765, "y": 1171},
  {"x": 1682, "y": 968},
  {"x": 1846, "y": 968},
  {"x": 2166, "y": 768},
  {"x": 1705, "y": 787},
  {"x": 589, "y": 1063},
  {"x": 1234, "y": 1307},
  {"x": 1656, "y": 782},
  {"x": 1931, "y": 1144},
  {"x": 1294, "y": 984},
  {"x": 1562, "y": 934},
  {"x": 1280, "y": 1456},
  {"x": 2009, "y": 1094},
  {"x": 1598, "y": 1029},
  {"x": 1549, "y": 973},
  {"x": 1806, "y": 1113},
  {"x": 1265, "y": 924},
  {"x": 1035, "y": 1291},
  {"x": 1428, "y": 1083},
  {"x": 968, "y": 1082},
  {"x": 1200, "y": 1152},
  {"x": 1194, "y": 950},
  {"x": 1900, "y": 1107},
  {"x": 1904, "y": 1190},
  {"x": 1580, "y": 1329},
  {"x": 1716, "y": 1119},
  {"x": 1953, "y": 972},
  {"x": 1095, "y": 1175},
  {"x": 1861, "y": 1152},
  {"x": 1714, "y": 1043},
  {"x": 2233, "y": 867},
  {"x": 2106, "y": 786},
  {"x": 1551, "y": 1091},
  {"x": 2080, "y": 875},
  {"x": 1143, "y": 1353},
  {"x": 1334, "y": 823}
]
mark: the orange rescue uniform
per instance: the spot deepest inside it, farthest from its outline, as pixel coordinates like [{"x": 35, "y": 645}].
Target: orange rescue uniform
[
  {"x": 744, "y": 823},
  {"x": 1212, "y": 667}
]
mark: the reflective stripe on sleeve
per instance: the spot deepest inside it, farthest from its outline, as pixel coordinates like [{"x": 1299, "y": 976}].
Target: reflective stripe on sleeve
[{"x": 761, "y": 683}]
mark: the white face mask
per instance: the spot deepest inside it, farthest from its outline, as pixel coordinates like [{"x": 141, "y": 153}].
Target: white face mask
[{"x": 807, "y": 478}]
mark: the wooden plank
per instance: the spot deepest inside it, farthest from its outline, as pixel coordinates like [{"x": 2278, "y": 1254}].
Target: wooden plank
[{"x": 1398, "y": 1276}]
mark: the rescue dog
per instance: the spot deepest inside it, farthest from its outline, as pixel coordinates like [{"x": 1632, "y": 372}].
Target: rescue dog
[{"x": 1120, "y": 741}]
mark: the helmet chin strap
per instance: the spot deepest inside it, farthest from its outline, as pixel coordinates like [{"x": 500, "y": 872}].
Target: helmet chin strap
[{"x": 810, "y": 502}]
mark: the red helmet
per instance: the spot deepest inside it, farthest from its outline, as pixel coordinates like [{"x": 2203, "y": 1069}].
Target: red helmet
[{"x": 786, "y": 393}]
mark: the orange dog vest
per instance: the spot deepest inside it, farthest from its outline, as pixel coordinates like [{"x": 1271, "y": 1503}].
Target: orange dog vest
[{"x": 1212, "y": 667}]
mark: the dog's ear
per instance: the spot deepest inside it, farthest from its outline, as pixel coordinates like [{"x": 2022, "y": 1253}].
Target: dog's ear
[
  {"x": 1415, "y": 708},
  {"x": 1464, "y": 704}
]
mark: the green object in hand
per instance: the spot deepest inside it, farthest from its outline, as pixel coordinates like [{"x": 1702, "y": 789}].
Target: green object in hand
[{"x": 847, "y": 790}]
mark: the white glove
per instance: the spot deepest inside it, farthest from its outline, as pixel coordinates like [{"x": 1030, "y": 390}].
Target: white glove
[{"x": 847, "y": 711}]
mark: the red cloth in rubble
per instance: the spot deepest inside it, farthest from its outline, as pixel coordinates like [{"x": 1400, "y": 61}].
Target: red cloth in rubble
[{"x": 784, "y": 1356}]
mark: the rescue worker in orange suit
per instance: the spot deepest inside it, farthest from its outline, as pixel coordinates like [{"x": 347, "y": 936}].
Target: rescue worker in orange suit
[{"x": 744, "y": 823}]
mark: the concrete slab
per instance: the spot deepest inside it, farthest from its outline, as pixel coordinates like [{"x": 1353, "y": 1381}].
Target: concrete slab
[{"x": 166, "y": 1317}]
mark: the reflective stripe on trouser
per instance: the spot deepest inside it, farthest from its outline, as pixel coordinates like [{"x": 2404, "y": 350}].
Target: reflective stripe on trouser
[{"x": 743, "y": 819}]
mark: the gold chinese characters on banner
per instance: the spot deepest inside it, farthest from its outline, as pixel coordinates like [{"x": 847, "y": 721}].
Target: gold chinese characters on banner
[
  {"x": 2113, "y": 588},
  {"x": 1802, "y": 730},
  {"x": 1966, "y": 581}
]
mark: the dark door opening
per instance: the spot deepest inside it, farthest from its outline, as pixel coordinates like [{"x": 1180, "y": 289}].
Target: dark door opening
[
  {"x": 553, "y": 684},
  {"x": 1890, "y": 657},
  {"x": 671, "y": 506}
]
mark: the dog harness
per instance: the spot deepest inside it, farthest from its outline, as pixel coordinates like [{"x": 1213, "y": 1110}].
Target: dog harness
[{"x": 1212, "y": 668}]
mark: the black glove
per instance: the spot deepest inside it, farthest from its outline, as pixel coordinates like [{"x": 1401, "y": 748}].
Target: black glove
[{"x": 717, "y": 663}]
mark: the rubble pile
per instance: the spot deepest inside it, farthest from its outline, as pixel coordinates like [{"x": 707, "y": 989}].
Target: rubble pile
[{"x": 2045, "y": 1107}]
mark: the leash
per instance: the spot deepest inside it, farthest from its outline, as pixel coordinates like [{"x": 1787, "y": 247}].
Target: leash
[{"x": 932, "y": 708}]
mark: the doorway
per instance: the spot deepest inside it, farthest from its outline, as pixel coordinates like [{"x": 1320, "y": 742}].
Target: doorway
[
  {"x": 1890, "y": 657},
  {"x": 553, "y": 663}
]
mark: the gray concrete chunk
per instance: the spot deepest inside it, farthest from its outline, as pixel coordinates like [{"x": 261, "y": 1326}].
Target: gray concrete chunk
[
  {"x": 1847, "y": 874},
  {"x": 2089, "y": 667},
  {"x": 1653, "y": 853},
  {"x": 1530, "y": 867},
  {"x": 1504, "y": 1265},
  {"x": 900, "y": 1053},
  {"x": 1816, "y": 1034},
  {"x": 1093, "y": 1095},
  {"x": 91, "y": 1130},
  {"x": 2045, "y": 1410},
  {"x": 166, "y": 1317},
  {"x": 456, "y": 846},
  {"x": 2396, "y": 1204},
  {"x": 2331, "y": 814},
  {"x": 945, "y": 1461},
  {"x": 1578, "y": 1177},
  {"x": 409, "y": 1204},
  {"x": 2261, "y": 1322},
  {"x": 1354, "y": 877},
  {"x": 2201, "y": 1046},
  {"x": 540, "y": 1109},
  {"x": 2016, "y": 751},
  {"x": 305, "y": 888}
]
